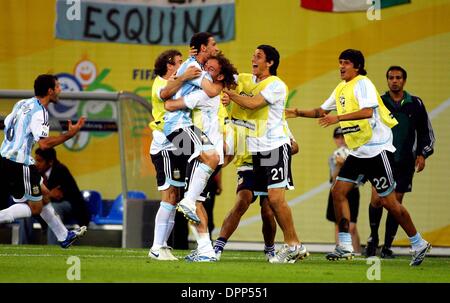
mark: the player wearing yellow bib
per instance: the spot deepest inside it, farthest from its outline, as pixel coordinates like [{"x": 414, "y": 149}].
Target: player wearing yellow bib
[
  {"x": 245, "y": 195},
  {"x": 170, "y": 169},
  {"x": 366, "y": 124},
  {"x": 268, "y": 142}
]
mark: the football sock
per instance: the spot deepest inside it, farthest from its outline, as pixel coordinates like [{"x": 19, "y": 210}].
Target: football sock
[
  {"x": 15, "y": 211},
  {"x": 170, "y": 225},
  {"x": 269, "y": 248},
  {"x": 416, "y": 241},
  {"x": 220, "y": 243},
  {"x": 375, "y": 214},
  {"x": 345, "y": 240},
  {"x": 161, "y": 224},
  {"x": 198, "y": 182},
  {"x": 54, "y": 222},
  {"x": 204, "y": 243}
]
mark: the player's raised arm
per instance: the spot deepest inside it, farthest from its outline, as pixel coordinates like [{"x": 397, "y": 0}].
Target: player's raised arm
[
  {"x": 52, "y": 141},
  {"x": 174, "y": 83},
  {"x": 309, "y": 113}
]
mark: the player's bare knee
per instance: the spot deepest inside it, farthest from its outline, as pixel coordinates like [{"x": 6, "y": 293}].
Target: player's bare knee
[
  {"x": 210, "y": 158},
  {"x": 266, "y": 212},
  {"x": 171, "y": 195},
  {"x": 241, "y": 206},
  {"x": 376, "y": 202},
  {"x": 35, "y": 207},
  {"x": 338, "y": 194}
]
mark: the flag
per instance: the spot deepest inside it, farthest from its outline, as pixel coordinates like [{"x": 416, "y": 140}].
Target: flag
[{"x": 348, "y": 5}]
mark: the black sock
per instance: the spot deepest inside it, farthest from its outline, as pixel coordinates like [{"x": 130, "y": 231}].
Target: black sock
[
  {"x": 374, "y": 219},
  {"x": 220, "y": 244},
  {"x": 391, "y": 231}
]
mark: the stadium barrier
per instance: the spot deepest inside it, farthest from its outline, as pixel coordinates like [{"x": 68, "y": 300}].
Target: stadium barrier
[{"x": 130, "y": 122}]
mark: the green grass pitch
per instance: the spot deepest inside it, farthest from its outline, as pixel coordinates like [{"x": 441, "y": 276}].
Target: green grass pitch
[{"x": 48, "y": 264}]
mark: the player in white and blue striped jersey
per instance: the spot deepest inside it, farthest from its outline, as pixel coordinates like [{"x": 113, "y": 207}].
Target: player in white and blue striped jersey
[
  {"x": 206, "y": 118},
  {"x": 26, "y": 125},
  {"x": 179, "y": 129}
]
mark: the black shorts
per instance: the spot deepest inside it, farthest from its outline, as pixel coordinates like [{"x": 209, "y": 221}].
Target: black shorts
[
  {"x": 190, "y": 141},
  {"x": 378, "y": 170},
  {"x": 23, "y": 182},
  {"x": 170, "y": 169},
  {"x": 245, "y": 181},
  {"x": 353, "y": 202},
  {"x": 403, "y": 175},
  {"x": 273, "y": 169}
]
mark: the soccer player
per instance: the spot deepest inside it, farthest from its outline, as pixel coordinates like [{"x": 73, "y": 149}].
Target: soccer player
[
  {"x": 268, "y": 141},
  {"x": 26, "y": 125},
  {"x": 335, "y": 162},
  {"x": 366, "y": 124},
  {"x": 205, "y": 112},
  {"x": 244, "y": 191},
  {"x": 179, "y": 129},
  {"x": 170, "y": 169},
  {"x": 413, "y": 140}
]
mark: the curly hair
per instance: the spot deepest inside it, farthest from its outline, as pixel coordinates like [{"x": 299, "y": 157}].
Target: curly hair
[
  {"x": 166, "y": 57},
  {"x": 227, "y": 69}
]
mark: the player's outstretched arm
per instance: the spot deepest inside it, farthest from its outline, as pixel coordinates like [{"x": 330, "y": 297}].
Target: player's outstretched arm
[
  {"x": 364, "y": 113},
  {"x": 309, "y": 113},
  {"x": 52, "y": 141}
]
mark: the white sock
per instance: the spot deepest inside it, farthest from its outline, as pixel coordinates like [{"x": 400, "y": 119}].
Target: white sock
[
  {"x": 54, "y": 222},
  {"x": 161, "y": 224},
  {"x": 15, "y": 211},
  {"x": 345, "y": 240},
  {"x": 198, "y": 181},
  {"x": 204, "y": 245},
  {"x": 170, "y": 224}
]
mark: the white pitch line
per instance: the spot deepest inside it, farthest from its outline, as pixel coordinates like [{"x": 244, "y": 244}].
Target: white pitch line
[
  {"x": 435, "y": 112},
  {"x": 80, "y": 256}
]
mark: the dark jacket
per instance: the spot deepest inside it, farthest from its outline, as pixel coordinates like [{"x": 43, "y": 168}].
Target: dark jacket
[
  {"x": 61, "y": 176},
  {"x": 413, "y": 135}
]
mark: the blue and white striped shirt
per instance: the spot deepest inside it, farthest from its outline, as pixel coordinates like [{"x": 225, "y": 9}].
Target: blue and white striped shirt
[
  {"x": 182, "y": 118},
  {"x": 24, "y": 126}
]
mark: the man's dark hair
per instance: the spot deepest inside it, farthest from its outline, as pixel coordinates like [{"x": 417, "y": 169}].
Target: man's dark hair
[
  {"x": 198, "y": 39},
  {"x": 356, "y": 57},
  {"x": 399, "y": 68},
  {"x": 166, "y": 57},
  {"x": 43, "y": 83},
  {"x": 271, "y": 55},
  {"x": 48, "y": 154},
  {"x": 227, "y": 69}
]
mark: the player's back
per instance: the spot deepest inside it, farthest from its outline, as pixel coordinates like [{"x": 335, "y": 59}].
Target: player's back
[
  {"x": 181, "y": 118},
  {"x": 23, "y": 127}
]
